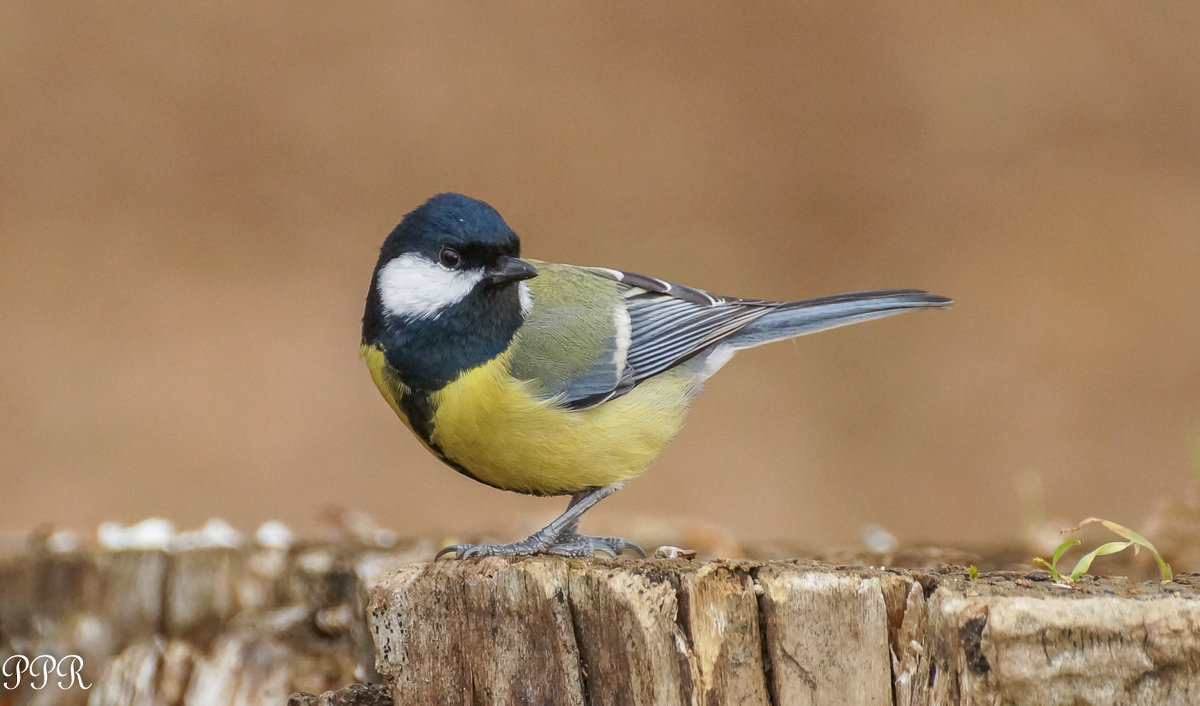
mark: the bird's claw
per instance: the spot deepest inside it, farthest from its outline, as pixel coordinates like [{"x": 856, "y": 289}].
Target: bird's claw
[
  {"x": 582, "y": 545},
  {"x": 466, "y": 551},
  {"x": 572, "y": 545}
]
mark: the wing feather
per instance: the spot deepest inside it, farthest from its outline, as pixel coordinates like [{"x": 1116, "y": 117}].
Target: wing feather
[
  {"x": 580, "y": 361},
  {"x": 656, "y": 325},
  {"x": 671, "y": 322}
]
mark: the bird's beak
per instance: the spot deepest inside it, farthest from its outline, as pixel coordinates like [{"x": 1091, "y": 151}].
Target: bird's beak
[{"x": 510, "y": 269}]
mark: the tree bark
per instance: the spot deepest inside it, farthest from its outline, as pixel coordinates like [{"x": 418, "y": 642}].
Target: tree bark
[
  {"x": 251, "y": 625},
  {"x": 547, "y": 630}
]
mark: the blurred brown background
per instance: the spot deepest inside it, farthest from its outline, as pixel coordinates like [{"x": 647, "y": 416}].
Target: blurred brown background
[{"x": 193, "y": 195}]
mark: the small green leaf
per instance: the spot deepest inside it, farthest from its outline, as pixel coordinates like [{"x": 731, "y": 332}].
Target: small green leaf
[
  {"x": 1164, "y": 569},
  {"x": 1049, "y": 567},
  {"x": 1085, "y": 562},
  {"x": 972, "y": 572},
  {"x": 1062, "y": 548},
  {"x": 1136, "y": 539},
  {"x": 1126, "y": 533}
]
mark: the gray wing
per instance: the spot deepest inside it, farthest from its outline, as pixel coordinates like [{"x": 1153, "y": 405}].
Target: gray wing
[
  {"x": 667, "y": 324},
  {"x": 655, "y": 325}
]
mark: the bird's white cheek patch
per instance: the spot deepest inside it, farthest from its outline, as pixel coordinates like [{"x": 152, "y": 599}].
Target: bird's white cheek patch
[{"x": 413, "y": 287}]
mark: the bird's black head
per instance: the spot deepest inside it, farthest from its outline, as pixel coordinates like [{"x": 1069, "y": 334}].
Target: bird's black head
[
  {"x": 452, "y": 223},
  {"x": 447, "y": 290}
]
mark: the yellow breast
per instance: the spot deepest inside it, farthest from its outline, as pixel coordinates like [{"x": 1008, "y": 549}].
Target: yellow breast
[{"x": 497, "y": 429}]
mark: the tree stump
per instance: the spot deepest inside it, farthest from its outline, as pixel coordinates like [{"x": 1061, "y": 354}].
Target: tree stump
[
  {"x": 557, "y": 631},
  {"x": 251, "y": 624}
]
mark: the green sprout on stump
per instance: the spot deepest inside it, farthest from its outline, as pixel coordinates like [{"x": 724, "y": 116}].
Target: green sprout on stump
[{"x": 1132, "y": 539}]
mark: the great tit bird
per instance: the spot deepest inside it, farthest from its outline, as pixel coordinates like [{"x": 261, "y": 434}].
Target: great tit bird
[{"x": 553, "y": 379}]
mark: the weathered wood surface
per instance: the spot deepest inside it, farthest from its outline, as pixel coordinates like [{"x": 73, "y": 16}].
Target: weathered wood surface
[
  {"x": 217, "y": 625},
  {"x": 544, "y": 630},
  {"x": 252, "y": 624}
]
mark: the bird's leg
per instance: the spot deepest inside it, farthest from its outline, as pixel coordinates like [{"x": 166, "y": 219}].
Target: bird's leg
[
  {"x": 560, "y": 537},
  {"x": 565, "y": 528}
]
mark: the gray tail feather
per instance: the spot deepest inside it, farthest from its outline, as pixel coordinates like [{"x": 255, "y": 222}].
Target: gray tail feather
[{"x": 812, "y": 315}]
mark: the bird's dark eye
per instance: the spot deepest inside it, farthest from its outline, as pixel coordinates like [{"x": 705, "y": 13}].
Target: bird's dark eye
[{"x": 449, "y": 258}]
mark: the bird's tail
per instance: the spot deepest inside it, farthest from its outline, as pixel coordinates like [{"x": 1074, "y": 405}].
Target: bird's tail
[{"x": 811, "y": 315}]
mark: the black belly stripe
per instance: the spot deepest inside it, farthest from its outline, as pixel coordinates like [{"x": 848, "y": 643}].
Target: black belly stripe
[{"x": 417, "y": 406}]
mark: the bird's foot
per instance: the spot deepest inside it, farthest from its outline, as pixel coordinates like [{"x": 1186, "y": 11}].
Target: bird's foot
[
  {"x": 580, "y": 545},
  {"x": 571, "y": 545},
  {"x": 525, "y": 547}
]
